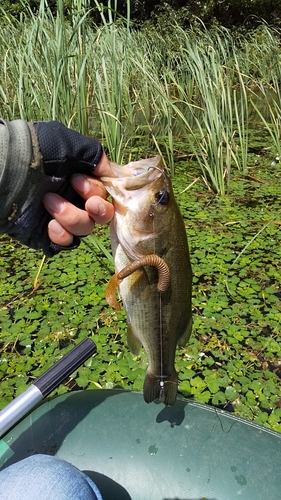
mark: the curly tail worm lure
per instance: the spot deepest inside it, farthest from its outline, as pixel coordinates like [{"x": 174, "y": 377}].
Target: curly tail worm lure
[{"x": 147, "y": 260}]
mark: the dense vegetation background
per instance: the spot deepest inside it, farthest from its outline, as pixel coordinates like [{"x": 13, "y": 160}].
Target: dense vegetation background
[
  {"x": 244, "y": 13},
  {"x": 206, "y": 96}
]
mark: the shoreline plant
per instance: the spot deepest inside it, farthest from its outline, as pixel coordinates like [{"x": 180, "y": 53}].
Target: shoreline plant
[{"x": 126, "y": 85}]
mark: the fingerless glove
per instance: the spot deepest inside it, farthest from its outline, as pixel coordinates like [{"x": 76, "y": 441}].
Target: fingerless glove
[{"x": 36, "y": 158}]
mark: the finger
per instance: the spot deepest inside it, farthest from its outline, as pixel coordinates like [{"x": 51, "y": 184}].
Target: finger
[
  {"x": 103, "y": 169},
  {"x": 88, "y": 186},
  {"x": 71, "y": 218},
  {"x": 58, "y": 234},
  {"x": 99, "y": 209}
]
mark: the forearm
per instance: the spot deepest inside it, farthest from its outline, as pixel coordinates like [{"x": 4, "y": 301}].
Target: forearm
[{"x": 21, "y": 174}]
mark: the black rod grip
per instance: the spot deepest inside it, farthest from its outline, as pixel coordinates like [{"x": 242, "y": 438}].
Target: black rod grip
[{"x": 55, "y": 375}]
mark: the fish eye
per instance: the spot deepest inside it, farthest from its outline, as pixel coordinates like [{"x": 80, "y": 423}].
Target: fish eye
[{"x": 162, "y": 197}]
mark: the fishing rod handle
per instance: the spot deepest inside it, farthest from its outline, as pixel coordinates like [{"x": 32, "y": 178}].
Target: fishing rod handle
[
  {"x": 45, "y": 384},
  {"x": 55, "y": 375}
]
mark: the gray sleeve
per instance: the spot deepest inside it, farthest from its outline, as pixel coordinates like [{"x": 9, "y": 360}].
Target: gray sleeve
[{"x": 21, "y": 171}]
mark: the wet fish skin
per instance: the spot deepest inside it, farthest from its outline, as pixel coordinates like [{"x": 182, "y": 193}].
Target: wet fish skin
[{"x": 141, "y": 226}]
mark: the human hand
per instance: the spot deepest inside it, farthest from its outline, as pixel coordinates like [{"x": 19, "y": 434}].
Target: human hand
[{"x": 70, "y": 220}]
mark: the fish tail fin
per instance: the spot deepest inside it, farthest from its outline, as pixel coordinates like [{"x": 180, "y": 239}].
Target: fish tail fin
[
  {"x": 167, "y": 393},
  {"x": 151, "y": 388},
  {"x": 170, "y": 390}
]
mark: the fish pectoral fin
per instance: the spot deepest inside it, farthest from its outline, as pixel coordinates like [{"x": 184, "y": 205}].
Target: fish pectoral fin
[
  {"x": 185, "y": 337},
  {"x": 139, "y": 284},
  {"x": 134, "y": 343}
]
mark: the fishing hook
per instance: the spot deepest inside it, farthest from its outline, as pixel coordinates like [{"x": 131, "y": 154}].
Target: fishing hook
[{"x": 161, "y": 392}]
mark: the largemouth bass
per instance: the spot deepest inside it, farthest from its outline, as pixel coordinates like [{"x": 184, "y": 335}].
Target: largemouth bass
[{"x": 148, "y": 222}]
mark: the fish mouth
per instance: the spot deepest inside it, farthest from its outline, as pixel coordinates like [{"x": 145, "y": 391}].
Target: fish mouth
[
  {"x": 134, "y": 180},
  {"x": 136, "y": 174}
]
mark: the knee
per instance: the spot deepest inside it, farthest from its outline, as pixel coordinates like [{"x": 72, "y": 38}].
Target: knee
[{"x": 46, "y": 477}]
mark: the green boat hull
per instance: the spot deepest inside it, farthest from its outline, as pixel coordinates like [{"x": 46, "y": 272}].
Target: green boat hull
[{"x": 150, "y": 452}]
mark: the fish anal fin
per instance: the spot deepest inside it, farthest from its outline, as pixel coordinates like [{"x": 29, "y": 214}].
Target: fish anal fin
[{"x": 133, "y": 342}]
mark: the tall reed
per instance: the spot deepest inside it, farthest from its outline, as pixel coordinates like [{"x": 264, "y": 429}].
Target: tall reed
[
  {"x": 130, "y": 87},
  {"x": 272, "y": 122},
  {"x": 111, "y": 80},
  {"x": 44, "y": 69}
]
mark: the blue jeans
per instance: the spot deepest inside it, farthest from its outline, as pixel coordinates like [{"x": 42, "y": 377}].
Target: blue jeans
[{"x": 43, "y": 477}]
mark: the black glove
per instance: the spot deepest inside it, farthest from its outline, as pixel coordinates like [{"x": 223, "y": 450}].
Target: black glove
[{"x": 62, "y": 152}]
